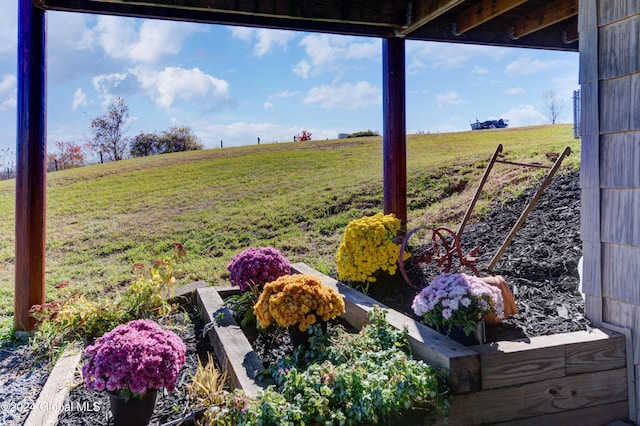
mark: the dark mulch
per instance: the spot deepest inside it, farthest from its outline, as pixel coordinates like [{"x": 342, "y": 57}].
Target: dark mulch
[
  {"x": 540, "y": 264},
  {"x": 169, "y": 406}
]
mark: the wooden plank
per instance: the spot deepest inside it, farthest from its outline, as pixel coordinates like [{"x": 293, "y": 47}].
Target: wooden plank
[
  {"x": 620, "y": 272},
  {"x": 617, "y": 56},
  {"x": 587, "y": 19},
  {"x": 31, "y": 166},
  {"x": 597, "y": 416},
  {"x": 376, "y": 13},
  {"x": 635, "y": 107},
  {"x": 424, "y": 11},
  {"x": 614, "y": 10},
  {"x": 462, "y": 362},
  {"x": 616, "y": 215},
  {"x": 54, "y": 392},
  {"x": 549, "y": 14},
  {"x": 482, "y": 12},
  {"x": 513, "y": 367},
  {"x": 626, "y": 315},
  {"x": 620, "y": 160},
  {"x": 636, "y": 418},
  {"x": 590, "y": 220},
  {"x": 615, "y": 104},
  {"x": 394, "y": 136},
  {"x": 588, "y": 67},
  {"x": 228, "y": 290},
  {"x": 628, "y": 338},
  {"x": 516, "y": 362},
  {"x": 232, "y": 349},
  {"x": 604, "y": 350},
  {"x": 540, "y": 398},
  {"x": 593, "y": 309},
  {"x": 187, "y": 293}
]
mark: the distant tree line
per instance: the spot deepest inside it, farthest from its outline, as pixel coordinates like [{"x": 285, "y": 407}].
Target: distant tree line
[
  {"x": 110, "y": 142},
  {"x": 176, "y": 139},
  {"x": 7, "y": 163},
  {"x": 363, "y": 134}
]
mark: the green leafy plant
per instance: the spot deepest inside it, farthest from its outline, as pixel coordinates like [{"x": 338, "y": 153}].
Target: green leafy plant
[
  {"x": 342, "y": 379},
  {"x": 76, "y": 316}
]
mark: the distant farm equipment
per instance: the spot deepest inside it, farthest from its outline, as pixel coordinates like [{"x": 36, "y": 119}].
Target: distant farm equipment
[{"x": 490, "y": 124}]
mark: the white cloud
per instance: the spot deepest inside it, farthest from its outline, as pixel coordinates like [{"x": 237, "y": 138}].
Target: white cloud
[
  {"x": 515, "y": 90},
  {"x": 345, "y": 96},
  {"x": 268, "y": 105},
  {"x": 175, "y": 83},
  {"x": 142, "y": 40},
  {"x": 524, "y": 115},
  {"x": 266, "y": 40},
  {"x": 79, "y": 99},
  {"x": 242, "y": 33},
  {"x": 108, "y": 84},
  {"x": 526, "y": 66},
  {"x": 450, "y": 98},
  {"x": 447, "y": 56},
  {"x": 302, "y": 69},
  {"x": 326, "y": 51},
  {"x": 269, "y": 39},
  {"x": 283, "y": 94},
  {"x": 8, "y": 92}
]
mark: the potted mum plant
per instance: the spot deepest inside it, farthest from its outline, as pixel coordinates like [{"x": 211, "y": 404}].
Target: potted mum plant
[
  {"x": 455, "y": 304},
  {"x": 297, "y": 302},
  {"x": 369, "y": 248},
  {"x": 250, "y": 270},
  {"x": 131, "y": 362}
]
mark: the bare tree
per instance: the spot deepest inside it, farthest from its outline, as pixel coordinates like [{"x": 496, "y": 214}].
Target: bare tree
[
  {"x": 553, "y": 104},
  {"x": 109, "y": 131}
]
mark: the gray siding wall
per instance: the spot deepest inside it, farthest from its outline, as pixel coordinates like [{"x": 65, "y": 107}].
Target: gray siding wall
[{"x": 610, "y": 166}]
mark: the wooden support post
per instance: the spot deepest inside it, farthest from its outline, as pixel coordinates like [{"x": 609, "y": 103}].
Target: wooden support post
[
  {"x": 394, "y": 138},
  {"x": 31, "y": 164}
]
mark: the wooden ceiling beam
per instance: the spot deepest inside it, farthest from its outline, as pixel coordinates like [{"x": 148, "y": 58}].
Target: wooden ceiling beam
[
  {"x": 424, "y": 11},
  {"x": 372, "y": 12},
  {"x": 483, "y": 12},
  {"x": 550, "y": 14},
  {"x": 571, "y": 32}
]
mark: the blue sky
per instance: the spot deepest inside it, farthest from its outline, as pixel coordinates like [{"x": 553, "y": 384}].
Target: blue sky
[{"x": 237, "y": 84}]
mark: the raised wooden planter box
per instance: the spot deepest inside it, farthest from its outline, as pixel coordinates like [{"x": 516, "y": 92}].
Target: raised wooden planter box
[{"x": 579, "y": 378}]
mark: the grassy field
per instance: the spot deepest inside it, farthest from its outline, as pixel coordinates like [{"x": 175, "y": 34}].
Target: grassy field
[{"x": 297, "y": 197}]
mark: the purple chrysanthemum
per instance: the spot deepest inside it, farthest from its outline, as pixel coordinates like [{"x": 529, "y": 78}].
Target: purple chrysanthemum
[
  {"x": 257, "y": 266},
  {"x": 136, "y": 356}
]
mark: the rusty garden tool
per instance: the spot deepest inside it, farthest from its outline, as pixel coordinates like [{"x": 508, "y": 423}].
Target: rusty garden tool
[{"x": 440, "y": 246}]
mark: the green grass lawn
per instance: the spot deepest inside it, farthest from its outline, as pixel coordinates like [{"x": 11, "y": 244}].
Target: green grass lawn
[{"x": 297, "y": 197}]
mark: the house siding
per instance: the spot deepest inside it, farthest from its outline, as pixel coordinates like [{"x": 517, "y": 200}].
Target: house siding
[{"x": 610, "y": 170}]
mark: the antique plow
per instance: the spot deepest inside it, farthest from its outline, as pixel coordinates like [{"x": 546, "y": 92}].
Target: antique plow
[{"x": 441, "y": 247}]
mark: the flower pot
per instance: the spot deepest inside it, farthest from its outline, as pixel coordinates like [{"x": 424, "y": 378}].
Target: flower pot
[
  {"x": 477, "y": 337},
  {"x": 136, "y": 411},
  {"x": 301, "y": 338}
]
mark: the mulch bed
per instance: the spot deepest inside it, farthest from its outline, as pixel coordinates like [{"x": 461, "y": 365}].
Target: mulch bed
[{"x": 540, "y": 265}]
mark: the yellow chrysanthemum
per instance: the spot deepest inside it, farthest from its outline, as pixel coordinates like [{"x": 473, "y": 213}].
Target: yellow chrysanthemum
[{"x": 368, "y": 247}]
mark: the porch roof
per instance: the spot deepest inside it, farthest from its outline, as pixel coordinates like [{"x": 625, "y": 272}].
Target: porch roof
[{"x": 544, "y": 24}]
